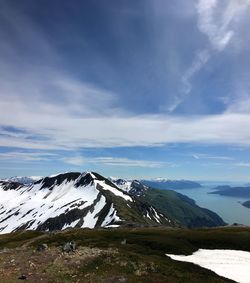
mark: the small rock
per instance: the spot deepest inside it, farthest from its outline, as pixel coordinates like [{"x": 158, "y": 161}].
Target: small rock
[
  {"x": 42, "y": 247},
  {"x": 124, "y": 242},
  {"x": 32, "y": 265},
  {"x": 22, "y": 277}
]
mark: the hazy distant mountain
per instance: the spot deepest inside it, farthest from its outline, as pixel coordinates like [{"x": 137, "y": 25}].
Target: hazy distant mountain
[
  {"x": 171, "y": 184},
  {"x": 243, "y": 192},
  {"x": 246, "y": 203}
]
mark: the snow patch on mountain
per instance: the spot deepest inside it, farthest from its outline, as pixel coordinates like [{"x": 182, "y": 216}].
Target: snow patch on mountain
[
  {"x": 133, "y": 187},
  {"x": 115, "y": 191}
]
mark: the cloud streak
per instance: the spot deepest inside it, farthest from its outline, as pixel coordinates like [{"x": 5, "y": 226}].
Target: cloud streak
[
  {"x": 207, "y": 156},
  {"x": 27, "y": 156},
  {"x": 218, "y": 23},
  {"x": 65, "y": 131},
  {"x": 116, "y": 161}
]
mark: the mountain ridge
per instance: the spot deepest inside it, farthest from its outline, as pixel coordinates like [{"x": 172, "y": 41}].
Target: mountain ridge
[
  {"x": 72, "y": 199},
  {"x": 89, "y": 200}
]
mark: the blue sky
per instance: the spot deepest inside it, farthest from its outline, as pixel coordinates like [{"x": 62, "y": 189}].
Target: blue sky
[{"x": 137, "y": 89}]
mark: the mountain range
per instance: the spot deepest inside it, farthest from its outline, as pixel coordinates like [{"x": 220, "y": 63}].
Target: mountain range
[
  {"x": 23, "y": 179},
  {"x": 161, "y": 183},
  {"x": 89, "y": 200},
  {"x": 243, "y": 192}
]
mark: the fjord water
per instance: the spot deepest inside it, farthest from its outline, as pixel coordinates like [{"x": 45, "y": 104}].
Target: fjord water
[{"x": 229, "y": 208}]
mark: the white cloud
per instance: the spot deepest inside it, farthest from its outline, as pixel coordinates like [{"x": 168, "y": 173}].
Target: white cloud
[
  {"x": 216, "y": 21},
  {"x": 65, "y": 131},
  {"x": 116, "y": 161},
  {"x": 27, "y": 156},
  {"x": 129, "y": 162},
  {"x": 79, "y": 160},
  {"x": 217, "y": 32},
  {"x": 57, "y": 111}
]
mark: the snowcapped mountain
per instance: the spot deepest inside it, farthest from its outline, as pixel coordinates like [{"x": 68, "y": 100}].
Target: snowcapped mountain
[
  {"x": 23, "y": 179},
  {"x": 72, "y": 200},
  {"x": 133, "y": 187}
]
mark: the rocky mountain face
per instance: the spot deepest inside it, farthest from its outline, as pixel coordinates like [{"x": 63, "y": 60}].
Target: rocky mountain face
[{"x": 73, "y": 200}]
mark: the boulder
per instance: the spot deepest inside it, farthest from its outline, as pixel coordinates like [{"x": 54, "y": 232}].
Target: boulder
[{"x": 69, "y": 247}]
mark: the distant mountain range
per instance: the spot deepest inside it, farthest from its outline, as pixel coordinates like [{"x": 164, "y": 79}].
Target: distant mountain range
[
  {"x": 243, "y": 192},
  {"x": 171, "y": 184},
  {"x": 80, "y": 200},
  {"x": 23, "y": 179}
]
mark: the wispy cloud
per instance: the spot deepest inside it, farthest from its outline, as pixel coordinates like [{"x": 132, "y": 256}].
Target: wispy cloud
[
  {"x": 207, "y": 156},
  {"x": 217, "y": 31},
  {"x": 199, "y": 61},
  {"x": 79, "y": 160},
  {"x": 17, "y": 156},
  {"x": 116, "y": 161},
  {"x": 216, "y": 20},
  {"x": 53, "y": 109}
]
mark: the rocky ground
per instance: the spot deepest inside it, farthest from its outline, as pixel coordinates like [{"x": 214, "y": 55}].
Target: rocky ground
[{"x": 50, "y": 265}]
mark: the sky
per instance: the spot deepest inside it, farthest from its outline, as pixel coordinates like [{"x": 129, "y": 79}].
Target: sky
[{"x": 134, "y": 89}]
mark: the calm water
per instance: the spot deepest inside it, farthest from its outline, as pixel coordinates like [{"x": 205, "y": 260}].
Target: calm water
[{"x": 229, "y": 208}]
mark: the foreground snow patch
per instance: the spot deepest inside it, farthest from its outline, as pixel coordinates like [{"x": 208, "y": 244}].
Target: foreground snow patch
[{"x": 231, "y": 264}]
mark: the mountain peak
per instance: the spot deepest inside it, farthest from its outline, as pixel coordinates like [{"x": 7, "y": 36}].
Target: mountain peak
[{"x": 72, "y": 199}]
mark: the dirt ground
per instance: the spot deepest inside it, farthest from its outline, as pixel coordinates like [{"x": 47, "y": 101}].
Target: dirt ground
[{"x": 51, "y": 265}]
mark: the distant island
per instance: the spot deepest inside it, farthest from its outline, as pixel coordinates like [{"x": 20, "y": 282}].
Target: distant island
[
  {"x": 167, "y": 184},
  {"x": 246, "y": 203},
  {"x": 243, "y": 192}
]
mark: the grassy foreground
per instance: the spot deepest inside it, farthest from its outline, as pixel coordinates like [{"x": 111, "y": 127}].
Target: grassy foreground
[{"x": 103, "y": 255}]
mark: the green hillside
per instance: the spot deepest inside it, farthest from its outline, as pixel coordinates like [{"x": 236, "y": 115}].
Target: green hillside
[{"x": 182, "y": 208}]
